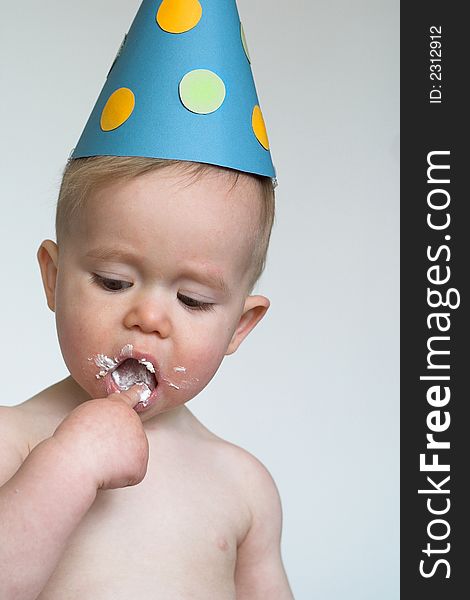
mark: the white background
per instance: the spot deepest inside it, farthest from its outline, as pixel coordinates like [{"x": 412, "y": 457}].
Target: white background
[{"x": 313, "y": 392}]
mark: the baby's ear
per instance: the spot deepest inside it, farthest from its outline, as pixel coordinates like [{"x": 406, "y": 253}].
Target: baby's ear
[
  {"x": 48, "y": 254},
  {"x": 254, "y": 310}
]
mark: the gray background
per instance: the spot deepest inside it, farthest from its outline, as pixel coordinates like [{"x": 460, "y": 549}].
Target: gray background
[{"x": 313, "y": 392}]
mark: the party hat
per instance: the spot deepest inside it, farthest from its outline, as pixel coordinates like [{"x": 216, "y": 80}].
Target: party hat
[{"x": 181, "y": 87}]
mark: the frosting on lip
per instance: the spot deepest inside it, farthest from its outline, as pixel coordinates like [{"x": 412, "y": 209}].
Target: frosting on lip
[
  {"x": 148, "y": 396},
  {"x": 107, "y": 371},
  {"x": 145, "y": 393},
  {"x": 132, "y": 371},
  {"x": 120, "y": 380},
  {"x": 105, "y": 363},
  {"x": 147, "y": 364}
]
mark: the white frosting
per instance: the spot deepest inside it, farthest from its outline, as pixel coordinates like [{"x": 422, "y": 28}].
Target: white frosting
[
  {"x": 126, "y": 351},
  {"x": 126, "y": 378},
  {"x": 145, "y": 393},
  {"x": 131, "y": 373},
  {"x": 105, "y": 363},
  {"x": 184, "y": 384},
  {"x": 148, "y": 364}
]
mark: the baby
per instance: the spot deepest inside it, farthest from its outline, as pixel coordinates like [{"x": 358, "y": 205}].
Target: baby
[{"x": 110, "y": 487}]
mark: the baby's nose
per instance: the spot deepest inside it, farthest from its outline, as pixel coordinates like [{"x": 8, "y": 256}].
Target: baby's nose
[{"x": 149, "y": 315}]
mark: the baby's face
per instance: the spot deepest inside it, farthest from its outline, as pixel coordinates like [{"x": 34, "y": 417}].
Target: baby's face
[{"x": 157, "y": 271}]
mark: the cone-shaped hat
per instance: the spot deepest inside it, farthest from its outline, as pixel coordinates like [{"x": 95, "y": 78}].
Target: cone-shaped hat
[{"x": 181, "y": 87}]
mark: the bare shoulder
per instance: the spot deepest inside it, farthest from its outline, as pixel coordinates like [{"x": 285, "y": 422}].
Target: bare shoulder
[
  {"x": 241, "y": 471},
  {"x": 257, "y": 481},
  {"x": 238, "y": 463},
  {"x": 13, "y": 442},
  {"x": 252, "y": 478},
  {"x": 259, "y": 571},
  {"x": 260, "y": 491},
  {"x": 24, "y": 426}
]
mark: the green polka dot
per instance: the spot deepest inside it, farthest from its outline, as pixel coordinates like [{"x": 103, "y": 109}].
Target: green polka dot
[
  {"x": 202, "y": 91},
  {"x": 244, "y": 44}
]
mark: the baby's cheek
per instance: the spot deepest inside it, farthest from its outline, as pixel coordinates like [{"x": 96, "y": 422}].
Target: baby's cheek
[
  {"x": 211, "y": 349},
  {"x": 68, "y": 332},
  {"x": 78, "y": 342},
  {"x": 71, "y": 329},
  {"x": 196, "y": 368}
]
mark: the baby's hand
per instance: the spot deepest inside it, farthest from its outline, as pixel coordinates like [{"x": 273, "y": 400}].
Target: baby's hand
[{"x": 107, "y": 437}]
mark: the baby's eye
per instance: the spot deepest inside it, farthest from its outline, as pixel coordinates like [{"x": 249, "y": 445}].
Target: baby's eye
[
  {"x": 112, "y": 285},
  {"x": 193, "y": 304}
]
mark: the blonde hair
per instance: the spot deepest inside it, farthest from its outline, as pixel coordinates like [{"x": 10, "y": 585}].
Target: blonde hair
[{"x": 83, "y": 176}]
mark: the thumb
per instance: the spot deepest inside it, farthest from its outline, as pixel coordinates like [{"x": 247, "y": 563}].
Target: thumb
[{"x": 135, "y": 394}]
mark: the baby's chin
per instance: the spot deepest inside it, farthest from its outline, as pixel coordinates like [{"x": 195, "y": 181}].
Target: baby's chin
[
  {"x": 80, "y": 393},
  {"x": 166, "y": 414},
  {"x": 152, "y": 405}
]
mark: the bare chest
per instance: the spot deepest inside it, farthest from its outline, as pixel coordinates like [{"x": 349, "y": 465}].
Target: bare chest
[{"x": 172, "y": 537}]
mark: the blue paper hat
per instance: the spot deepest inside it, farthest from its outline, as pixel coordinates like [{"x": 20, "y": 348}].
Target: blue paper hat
[{"x": 181, "y": 87}]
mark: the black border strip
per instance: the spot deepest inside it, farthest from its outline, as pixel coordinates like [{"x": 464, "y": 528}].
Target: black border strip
[{"x": 435, "y": 267}]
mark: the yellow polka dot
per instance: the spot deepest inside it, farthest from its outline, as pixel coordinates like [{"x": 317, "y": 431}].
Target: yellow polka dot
[
  {"x": 178, "y": 16},
  {"x": 118, "y": 109},
  {"x": 259, "y": 128}
]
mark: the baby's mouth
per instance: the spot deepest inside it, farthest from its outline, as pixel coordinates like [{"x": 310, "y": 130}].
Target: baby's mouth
[{"x": 132, "y": 371}]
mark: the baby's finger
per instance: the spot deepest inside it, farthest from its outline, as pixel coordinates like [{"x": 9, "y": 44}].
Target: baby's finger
[{"x": 137, "y": 393}]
